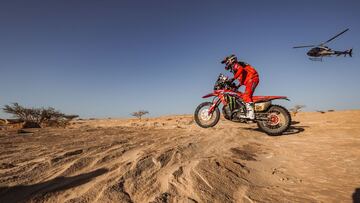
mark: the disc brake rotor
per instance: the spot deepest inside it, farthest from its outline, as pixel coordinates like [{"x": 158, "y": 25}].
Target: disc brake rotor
[
  {"x": 274, "y": 119},
  {"x": 204, "y": 115}
]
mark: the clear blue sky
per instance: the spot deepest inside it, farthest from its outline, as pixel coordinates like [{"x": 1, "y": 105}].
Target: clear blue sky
[{"x": 110, "y": 58}]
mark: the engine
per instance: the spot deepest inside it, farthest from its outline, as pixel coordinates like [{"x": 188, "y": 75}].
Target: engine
[{"x": 233, "y": 109}]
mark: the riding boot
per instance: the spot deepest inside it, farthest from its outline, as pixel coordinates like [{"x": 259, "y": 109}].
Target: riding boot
[{"x": 250, "y": 114}]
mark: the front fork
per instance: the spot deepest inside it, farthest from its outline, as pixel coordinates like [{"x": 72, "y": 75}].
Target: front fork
[{"x": 216, "y": 102}]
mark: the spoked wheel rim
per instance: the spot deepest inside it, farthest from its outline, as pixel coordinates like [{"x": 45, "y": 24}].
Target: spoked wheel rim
[
  {"x": 278, "y": 120},
  {"x": 204, "y": 114},
  {"x": 275, "y": 120},
  {"x": 205, "y": 117}
]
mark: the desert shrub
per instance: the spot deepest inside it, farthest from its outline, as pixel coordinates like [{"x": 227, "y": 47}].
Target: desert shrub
[
  {"x": 40, "y": 116},
  {"x": 139, "y": 114},
  {"x": 296, "y": 109},
  {"x": 2, "y": 122}
]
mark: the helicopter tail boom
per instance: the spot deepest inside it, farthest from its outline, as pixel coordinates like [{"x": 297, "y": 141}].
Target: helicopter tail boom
[{"x": 345, "y": 53}]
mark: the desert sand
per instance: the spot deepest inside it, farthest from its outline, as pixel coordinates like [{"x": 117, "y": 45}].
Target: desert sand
[{"x": 171, "y": 159}]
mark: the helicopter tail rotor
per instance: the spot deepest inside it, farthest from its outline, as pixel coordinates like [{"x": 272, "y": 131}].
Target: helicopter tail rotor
[{"x": 345, "y": 53}]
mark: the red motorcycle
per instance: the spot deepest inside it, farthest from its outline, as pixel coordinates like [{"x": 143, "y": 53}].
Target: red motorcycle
[{"x": 272, "y": 119}]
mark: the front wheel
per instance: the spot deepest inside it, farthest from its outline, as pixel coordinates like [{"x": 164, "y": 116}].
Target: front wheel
[
  {"x": 203, "y": 118},
  {"x": 278, "y": 120}
]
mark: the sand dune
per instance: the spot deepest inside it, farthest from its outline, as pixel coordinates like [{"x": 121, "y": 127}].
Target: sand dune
[{"x": 170, "y": 159}]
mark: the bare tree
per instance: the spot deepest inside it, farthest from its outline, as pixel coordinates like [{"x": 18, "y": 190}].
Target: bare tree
[
  {"x": 41, "y": 116},
  {"x": 139, "y": 114},
  {"x": 296, "y": 109}
]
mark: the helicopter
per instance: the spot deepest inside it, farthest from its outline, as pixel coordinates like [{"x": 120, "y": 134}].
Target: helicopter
[{"x": 319, "y": 51}]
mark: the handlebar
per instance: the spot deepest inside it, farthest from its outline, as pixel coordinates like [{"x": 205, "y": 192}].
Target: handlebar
[
  {"x": 232, "y": 85},
  {"x": 224, "y": 82}
]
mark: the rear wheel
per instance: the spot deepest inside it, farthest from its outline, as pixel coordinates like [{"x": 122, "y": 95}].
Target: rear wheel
[
  {"x": 278, "y": 120},
  {"x": 203, "y": 118}
]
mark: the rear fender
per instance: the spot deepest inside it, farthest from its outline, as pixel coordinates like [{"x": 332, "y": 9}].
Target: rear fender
[{"x": 257, "y": 99}]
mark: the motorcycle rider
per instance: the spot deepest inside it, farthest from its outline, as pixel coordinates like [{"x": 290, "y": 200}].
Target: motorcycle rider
[{"x": 246, "y": 75}]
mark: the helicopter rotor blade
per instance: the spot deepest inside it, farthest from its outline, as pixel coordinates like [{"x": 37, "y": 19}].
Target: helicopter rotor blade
[
  {"x": 336, "y": 36},
  {"x": 304, "y": 46}
]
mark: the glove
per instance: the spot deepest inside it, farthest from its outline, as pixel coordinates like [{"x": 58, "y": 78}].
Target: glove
[
  {"x": 231, "y": 80},
  {"x": 231, "y": 83}
]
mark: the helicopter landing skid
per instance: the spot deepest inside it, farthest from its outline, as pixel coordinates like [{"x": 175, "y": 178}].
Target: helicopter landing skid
[{"x": 316, "y": 59}]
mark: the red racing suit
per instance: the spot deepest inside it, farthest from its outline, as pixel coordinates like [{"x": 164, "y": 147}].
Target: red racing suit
[{"x": 248, "y": 76}]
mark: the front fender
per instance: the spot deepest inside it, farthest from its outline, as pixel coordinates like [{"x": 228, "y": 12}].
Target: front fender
[{"x": 209, "y": 95}]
